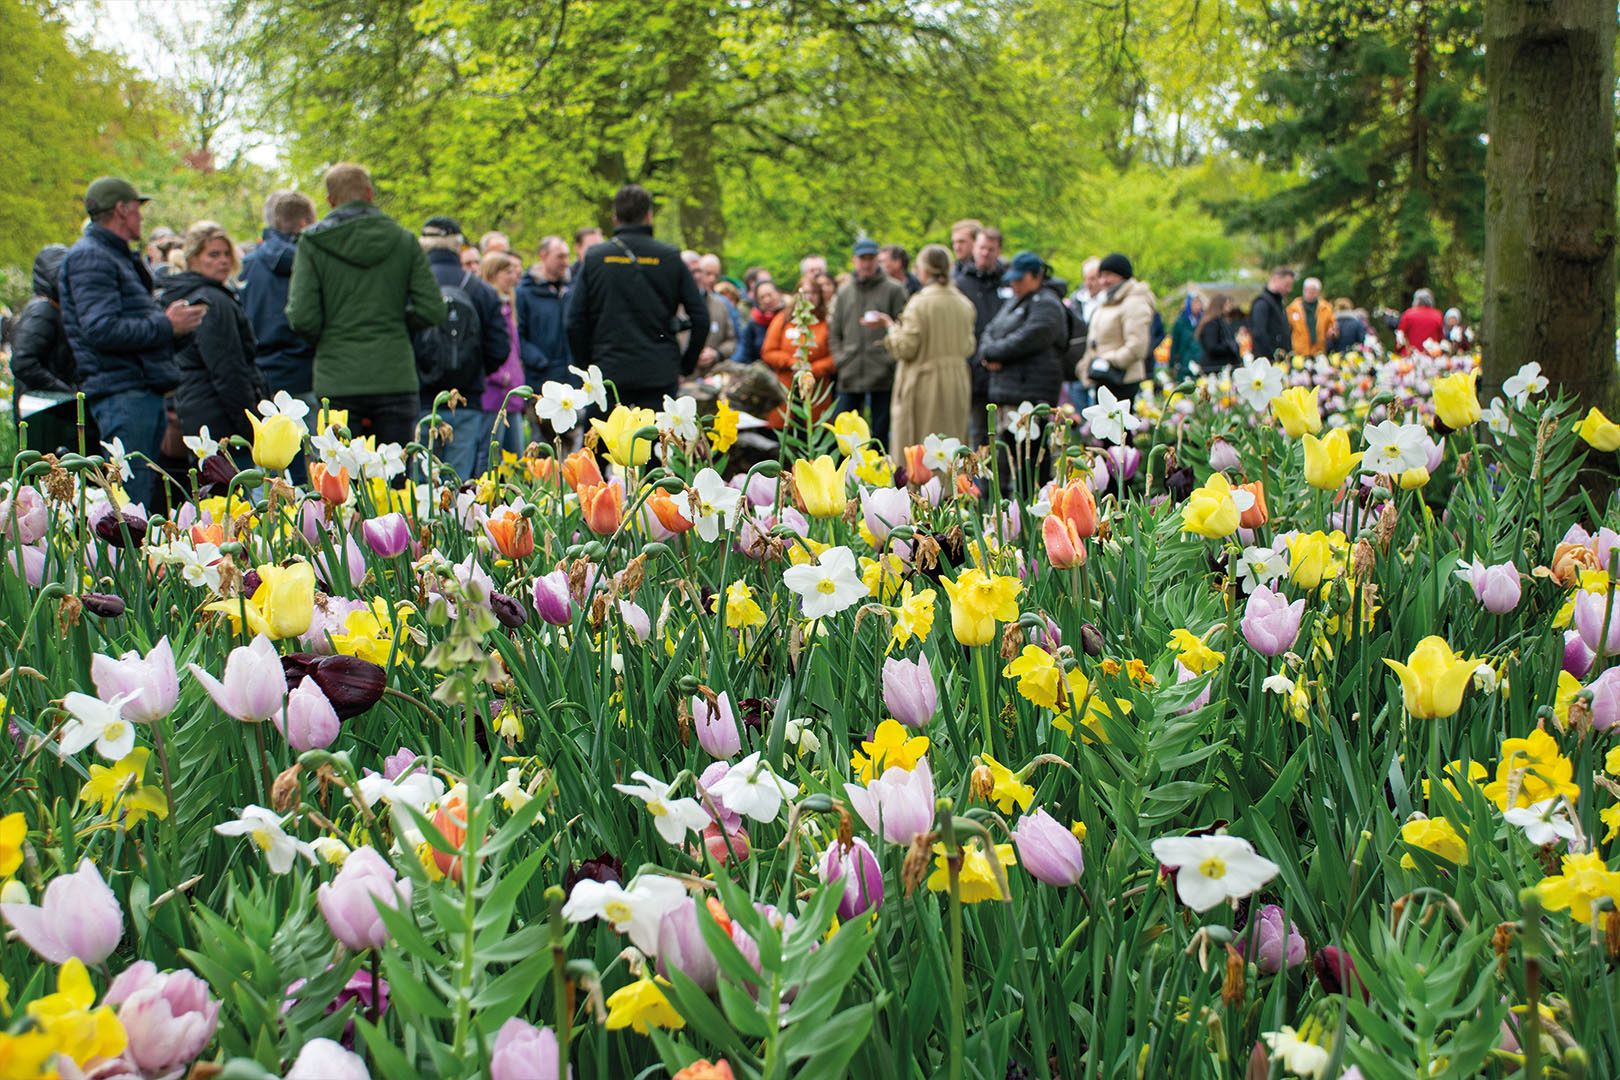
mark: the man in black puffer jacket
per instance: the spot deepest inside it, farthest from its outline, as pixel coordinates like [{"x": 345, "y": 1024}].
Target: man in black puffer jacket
[{"x": 40, "y": 357}]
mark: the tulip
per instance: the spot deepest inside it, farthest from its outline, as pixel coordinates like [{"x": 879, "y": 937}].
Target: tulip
[
  {"x": 1125, "y": 461},
  {"x": 524, "y": 1052},
  {"x": 551, "y": 598},
  {"x": 350, "y": 684},
  {"x": 451, "y": 821},
  {"x": 917, "y": 473},
  {"x": 104, "y": 605},
  {"x": 1276, "y": 942},
  {"x": 1328, "y": 460},
  {"x": 32, "y": 557},
  {"x": 346, "y": 561},
  {"x": 396, "y": 765},
  {"x": 602, "y": 506},
  {"x": 79, "y": 916},
  {"x": 857, "y": 867},
  {"x": 681, "y": 947},
  {"x": 884, "y": 508},
  {"x": 1210, "y": 510},
  {"x": 1222, "y": 458},
  {"x": 1591, "y": 609},
  {"x": 149, "y": 686},
  {"x": 350, "y": 900},
  {"x": 508, "y": 610},
  {"x": 218, "y": 470},
  {"x": 23, "y": 518},
  {"x": 1271, "y": 623},
  {"x": 1064, "y": 548},
  {"x": 636, "y": 620},
  {"x": 323, "y": 1059},
  {"x": 900, "y": 803},
  {"x": 312, "y": 522},
  {"x": 716, "y": 726},
  {"x": 1497, "y": 587},
  {"x": 1047, "y": 850},
  {"x": 1296, "y": 409},
  {"x": 820, "y": 487},
  {"x": 511, "y": 533},
  {"x": 312, "y": 723},
  {"x": 909, "y": 693},
  {"x": 666, "y": 513},
  {"x": 281, "y": 605},
  {"x": 1309, "y": 557},
  {"x": 111, "y": 524},
  {"x": 1455, "y": 401},
  {"x": 618, "y": 435},
  {"x": 254, "y": 687},
  {"x": 977, "y": 601},
  {"x": 1257, "y": 514},
  {"x": 276, "y": 440},
  {"x": 1605, "y": 706},
  {"x": 1578, "y": 656},
  {"x": 387, "y": 536},
  {"x": 580, "y": 469},
  {"x": 723, "y": 844},
  {"x": 1433, "y": 679},
  {"x": 331, "y": 485},
  {"x": 1337, "y": 972},
  {"x": 1599, "y": 431},
  {"x": 168, "y": 1017},
  {"x": 1075, "y": 504}
]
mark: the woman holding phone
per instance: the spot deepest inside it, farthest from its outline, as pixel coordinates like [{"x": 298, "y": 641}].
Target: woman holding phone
[{"x": 220, "y": 380}]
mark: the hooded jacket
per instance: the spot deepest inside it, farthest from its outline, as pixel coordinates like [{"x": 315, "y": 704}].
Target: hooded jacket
[
  {"x": 286, "y": 359},
  {"x": 40, "y": 356},
  {"x": 1027, "y": 338},
  {"x": 121, "y": 339},
  {"x": 543, "y": 328},
  {"x": 1121, "y": 330},
  {"x": 361, "y": 285},
  {"x": 220, "y": 381},
  {"x": 864, "y": 365}
]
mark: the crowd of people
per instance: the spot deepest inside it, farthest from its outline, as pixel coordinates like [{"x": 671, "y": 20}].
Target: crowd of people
[{"x": 182, "y": 340}]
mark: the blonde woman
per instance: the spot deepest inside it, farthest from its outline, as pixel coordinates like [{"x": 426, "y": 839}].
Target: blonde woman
[
  {"x": 930, "y": 343},
  {"x": 219, "y": 372}
]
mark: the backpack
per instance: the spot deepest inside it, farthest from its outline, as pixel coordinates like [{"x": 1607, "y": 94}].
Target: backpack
[{"x": 451, "y": 353}]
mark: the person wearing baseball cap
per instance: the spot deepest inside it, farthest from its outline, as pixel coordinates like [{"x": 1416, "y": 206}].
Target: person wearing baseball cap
[
  {"x": 1023, "y": 346},
  {"x": 122, "y": 341},
  {"x": 862, "y": 313}
]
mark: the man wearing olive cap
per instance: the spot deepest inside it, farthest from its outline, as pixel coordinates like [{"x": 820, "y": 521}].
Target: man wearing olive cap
[{"x": 122, "y": 341}]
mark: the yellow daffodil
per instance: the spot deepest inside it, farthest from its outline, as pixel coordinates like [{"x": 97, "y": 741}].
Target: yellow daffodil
[
  {"x": 119, "y": 786},
  {"x": 977, "y": 878},
  {"x": 1297, "y": 411},
  {"x": 1194, "y": 655},
  {"x": 1611, "y": 761},
  {"x": 1079, "y": 695},
  {"x": 1532, "y": 770},
  {"x": 872, "y": 466},
  {"x": 742, "y": 612},
  {"x": 1433, "y": 678},
  {"x": 618, "y": 432},
  {"x": 1437, "y": 836},
  {"x": 723, "y": 430},
  {"x": 1006, "y": 789},
  {"x": 1040, "y": 677},
  {"x": 27, "y": 1056},
  {"x": 821, "y": 486},
  {"x": 1582, "y": 885},
  {"x": 641, "y": 1005},
  {"x": 1610, "y": 816},
  {"x": 329, "y": 417},
  {"x": 1599, "y": 431},
  {"x": 76, "y": 1030},
  {"x": 1568, "y": 687},
  {"x": 276, "y": 440},
  {"x": 1311, "y": 558},
  {"x": 805, "y": 550},
  {"x": 1456, "y": 401},
  {"x": 978, "y": 600},
  {"x": 1210, "y": 511},
  {"x": 1475, "y": 774},
  {"x": 13, "y": 831},
  {"x": 892, "y": 746},
  {"x": 1328, "y": 460},
  {"x": 883, "y": 576},
  {"x": 281, "y": 607},
  {"x": 369, "y": 632},
  {"x": 914, "y": 617}
]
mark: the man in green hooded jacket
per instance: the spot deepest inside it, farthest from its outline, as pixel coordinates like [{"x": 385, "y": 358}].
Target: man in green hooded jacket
[{"x": 361, "y": 286}]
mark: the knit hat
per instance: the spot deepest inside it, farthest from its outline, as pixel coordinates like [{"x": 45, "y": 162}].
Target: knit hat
[{"x": 1116, "y": 263}]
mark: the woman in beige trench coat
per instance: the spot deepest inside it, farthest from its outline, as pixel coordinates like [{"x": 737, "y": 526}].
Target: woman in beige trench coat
[{"x": 931, "y": 343}]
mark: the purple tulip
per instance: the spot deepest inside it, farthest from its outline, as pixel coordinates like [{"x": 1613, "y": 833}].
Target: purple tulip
[
  {"x": 23, "y": 519},
  {"x": 1047, "y": 850},
  {"x": 636, "y": 620},
  {"x": 387, "y": 536},
  {"x": 899, "y": 804},
  {"x": 1270, "y": 622},
  {"x": 312, "y": 520},
  {"x": 1577, "y": 656},
  {"x": 551, "y": 598},
  {"x": 168, "y": 1017},
  {"x": 524, "y": 1052},
  {"x": 681, "y": 947},
  {"x": 857, "y": 866},
  {"x": 111, "y": 523},
  {"x": 349, "y": 901},
  {"x": 255, "y": 685},
  {"x": 323, "y": 1059},
  {"x": 1606, "y": 699},
  {"x": 884, "y": 508},
  {"x": 104, "y": 605},
  {"x": 1497, "y": 587},
  {"x": 716, "y": 726},
  {"x": 1276, "y": 943},
  {"x": 1222, "y": 457},
  {"x": 395, "y": 764},
  {"x": 758, "y": 490},
  {"x": 1125, "y": 461},
  {"x": 1590, "y": 610},
  {"x": 909, "y": 692},
  {"x": 346, "y": 561},
  {"x": 32, "y": 557},
  {"x": 150, "y": 685},
  {"x": 312, "y": 723},
  {"x": 78, "y": 916}
]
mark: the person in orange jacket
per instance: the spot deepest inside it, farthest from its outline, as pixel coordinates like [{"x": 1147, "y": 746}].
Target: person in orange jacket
[
  {"x": 782, "y": 346},
  {"x": 1310, "y": 320}
]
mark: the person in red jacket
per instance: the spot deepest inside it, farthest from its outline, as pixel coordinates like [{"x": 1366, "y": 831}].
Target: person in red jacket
[
  {"x": 783, "y": 341},
  {"x": 1422, "y": 322}
]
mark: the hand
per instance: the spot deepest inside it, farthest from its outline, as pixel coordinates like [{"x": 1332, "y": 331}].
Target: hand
[
  {"x": 184, "y": 317},
  {"x": 882, "y": 318},
  {"x": 708, "y": 356},
  {"x": 991, "y": 365}
]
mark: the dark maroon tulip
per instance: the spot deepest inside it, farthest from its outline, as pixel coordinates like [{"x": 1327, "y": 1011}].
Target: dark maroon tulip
[
  {"x": 111, "y": 526},
  {"x": 351, "y": 684},
  {"x": 752, "y": 710},
  {"x": 217, "y": 473},
  {"x": 103, "y": 604},
  {"x": 1336, "y": 971},
  {"x": 250, "y": 582},
  {"x": 604, "y": 868},
  {"x": 1179, "y": 482},
  {"x": 1091, "y": 640},
  {"x": 510, "y": 613}
]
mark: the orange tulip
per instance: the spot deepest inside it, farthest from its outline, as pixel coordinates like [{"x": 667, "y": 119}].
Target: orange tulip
[
  {"x": 1064, "y": 547},
  {"x": 667, "y": 512},
  {"x": 580, "y": 468},
  {"x": 916, "y": 472},
  {"x": 965, "y": 485},
  {"x": 451, "y": 820},
  {"x": 511, "y": 534},
  {"x": 212, "y": 533},
  {"x": 1075, "y": 504},
  {"x": 541, "y": 468},
  {"x": 603, "y": 507},
  {"x": 331, "y": 486},
  {"x": 1256, "y": 515}
]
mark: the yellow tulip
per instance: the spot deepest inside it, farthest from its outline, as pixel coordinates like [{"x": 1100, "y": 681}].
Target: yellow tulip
[
  {"x": 1438, "y": 837},
  {"x": 281, "y": 607},
  {"x": 851, "y": 430},
  {"x": 1455, "y": 401},
  {"x": 276, "y": 440},
  {"x": 821, "y": 487},
  {"x": 1328, "y": 460},
  {"x": 1599, "y": 431},
  {"x": 1297, "y": 410},
  {"x": 1210, "y": 511},
  {"x": 618, "y": 433},
  {"x": 1311, "y": 558},
  {"x": 977, "y": 601},
  {"x": 1433, "y": 678},
  {"x": 1412, "y": 479}
]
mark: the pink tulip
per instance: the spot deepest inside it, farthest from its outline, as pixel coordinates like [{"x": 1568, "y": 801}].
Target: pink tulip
[
  {"x": 150, "y": 686},
  {"x": 1590, "y": 611},
  {"x": 716, "y": 726},
  {"x": 79, "y": 916},
  {"x": 636, "y": 620},
  {"x": 899, "y": 804},
  {"x": 169, "y": 1017},
  {"x": 524, "y": 1052},
  {"x": 729, "y": 820},
  {"x": 1047, "y": 850},
  {"x": 1186, "y": 674},
  {"x": 312, "y": 723},
  {"x": 23, "y": 518},
  {"x": 857, "y": 866},
  {"x": 345, "y": 562},
  {"x": 323, "y": 1059},
  {"x": 312, "y": 521},
  {"x": 551, "y": 599},
  {"x": 32, "y": 558},
  {"x": 1222, "y": 457},
  {"x": 1577, "y": 656},
  {"x": 1276, "y": 942},
  {"x": 884, "y": 508},
  {"x": 681, "y": 947},
  {"x": 1270, "y": 622},
  {"x": 909, "y": 692},
  {"x": 349, "y": 901},
  {"x": 255, "y": 685},
  {"x": 387, "y": 536},
  {"x": 396, "y": 764},
  {"x": 1497, "y": 587},
  {"x": 1606, "y": 699}
]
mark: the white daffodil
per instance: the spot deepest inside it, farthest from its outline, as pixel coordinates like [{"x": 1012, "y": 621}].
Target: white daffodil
[
  {"x": 710, "y": 504},
  {"x": 418, "y": 788},
  {"x": 514, "y": 794},
  {"x": 118, "y": 459},
  {"x": 1278, "y": 684},
  {"x": 828, "y": 585},
  {"x": 939, "y": 451},
  {"x": 92, "y": 720},
  {"x": 751, "y": 789},
  {"x": 592, "y": 385},
  {"x": 202, "y": 444},
  {"x": 1546, "y": 822},
  {"x": 1299, "y": 1056},
  {"x": 1259, "y": 566},
  {"x": 264, "y": 826},
  {"x": 284, "y": 404},
  {"x": 798, "y": 733},
  {"x": 330, "y": 849},
  {"x": 1110, "y": 418},
  {"x": 635, "y": 911},
  {"x": 679, "y": 418},
  {"x": 1394, "y": 448},
  {"x": 1210, "y": 869},
  {"x": 560, "y": 405},
  {"x": 1525, "y": 383},
  {"x": 1022, "y": 423},
  {"x": 1497, "y": 418},
  {"x": 1257, "y": 382},
  {"x": 673, "y": 818}
]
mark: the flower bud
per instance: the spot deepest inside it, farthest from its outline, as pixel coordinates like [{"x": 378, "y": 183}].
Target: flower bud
[
  {"x": 1091, "y": 640},
  {"x": 106, "y": 605},
  {"x": 507, "y": 610},
  {"x": 351, "y": 685}
]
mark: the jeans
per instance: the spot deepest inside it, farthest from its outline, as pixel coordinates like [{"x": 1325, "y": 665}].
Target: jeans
[
  {"x": 509, "y": 437},
  {"x": 391, "y": 418},
  {"x": 874, "y": 403},
  {"x": 138, "y": 418},
  {"x": 468, "y": 445}
]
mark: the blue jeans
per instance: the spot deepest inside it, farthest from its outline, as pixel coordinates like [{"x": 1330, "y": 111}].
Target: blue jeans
[
  {"x": 138, "y": 418},
  {"x": 508, "y": 438},
  {"x": 874, "y": 404},
  {"x": 468, "y": 443}
]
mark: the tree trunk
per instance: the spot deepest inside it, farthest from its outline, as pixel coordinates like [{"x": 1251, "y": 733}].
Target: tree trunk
[
  {"x": 691, "y": 136},
  {"x": 1550, "y": 196}
]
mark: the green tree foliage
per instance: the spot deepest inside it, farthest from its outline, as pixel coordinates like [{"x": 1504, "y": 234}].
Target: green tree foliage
[{"x": 1377, "y": 111}]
